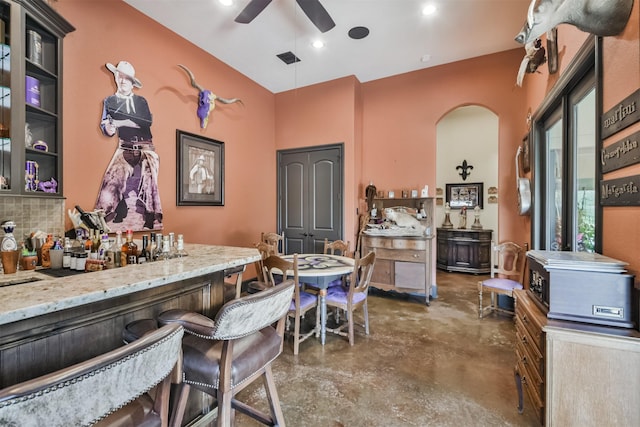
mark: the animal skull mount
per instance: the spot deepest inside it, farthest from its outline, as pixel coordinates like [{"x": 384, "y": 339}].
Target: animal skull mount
[
  {"x": 598, "y": 17},
  {"x": 206, "y": 99}
]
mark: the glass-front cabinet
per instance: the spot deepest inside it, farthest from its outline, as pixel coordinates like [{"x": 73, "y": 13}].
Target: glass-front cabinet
[{"x": 31, "y": 34}]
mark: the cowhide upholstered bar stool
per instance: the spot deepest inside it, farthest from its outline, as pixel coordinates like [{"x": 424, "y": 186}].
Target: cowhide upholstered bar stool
[
  {"x": 128, "y": 386},
  {"x": 224, "y": 355}
]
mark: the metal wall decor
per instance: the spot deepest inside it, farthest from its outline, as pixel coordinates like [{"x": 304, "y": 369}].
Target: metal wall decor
[
  {"x": 465, "y": 168},
  {"x": 622, "y": 153},
  {"x": 622, "y": 115},
  {"x": 620, "y": 192}
]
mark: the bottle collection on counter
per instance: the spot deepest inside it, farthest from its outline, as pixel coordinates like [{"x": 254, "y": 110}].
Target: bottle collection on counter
[{"x": 92, "y": 250}]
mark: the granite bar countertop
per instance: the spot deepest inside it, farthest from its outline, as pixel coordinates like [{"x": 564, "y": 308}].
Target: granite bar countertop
[{"x": 47, "y": 294}]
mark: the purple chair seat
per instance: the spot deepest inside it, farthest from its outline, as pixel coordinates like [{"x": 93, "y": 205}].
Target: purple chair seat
[
  {"x": 306, "y": 300},
  {"x": 500, "y": 283},
  {"x": 338, "y": 295}
]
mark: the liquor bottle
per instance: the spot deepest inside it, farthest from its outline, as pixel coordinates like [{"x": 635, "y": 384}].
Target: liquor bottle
[
  {"x": 180, "y": 252},
  {"x": 95, "y": 245},
  {"x": 152, "y": 248},
  {"x": 158, "y": 253},
  {"x": 104, "y": 247},
  {"x": 166, "y": 249},
  {"x": 87, "y": 242},
  {"x": 66, "y": 254},
  {"x": 144, "y": 252},
  {"x": 129, "y": 251},
  {"x": 172, "y": 246}
]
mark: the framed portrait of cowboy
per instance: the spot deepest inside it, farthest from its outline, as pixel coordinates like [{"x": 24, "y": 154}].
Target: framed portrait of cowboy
[{"x": 200, "y": 170}]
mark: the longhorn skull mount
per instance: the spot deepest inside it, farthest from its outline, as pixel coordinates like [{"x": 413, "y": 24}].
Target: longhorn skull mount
[{"x": 206, "y": 99}]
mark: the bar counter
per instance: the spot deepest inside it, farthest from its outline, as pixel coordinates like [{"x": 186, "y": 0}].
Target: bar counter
[
  {"x": 47, "y": 295},
  {"x": 52, "y": 323}
]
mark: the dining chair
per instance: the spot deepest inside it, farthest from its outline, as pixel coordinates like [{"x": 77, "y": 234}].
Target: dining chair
[
  {"x": 336, "y": 247},
  {"x": 274, "y": 239},
  {"x": 261, "y": 282},
  {"x": 128, "y": 386},
  {"x": 222, "y": 356},
  {"x": 506, "y": 275},
  {"x": 233, "y": 280},
  {"x": 354, "y": 297},
  {"x": 301, "y": 302}
]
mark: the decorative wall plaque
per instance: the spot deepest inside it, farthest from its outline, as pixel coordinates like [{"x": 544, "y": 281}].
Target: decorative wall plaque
[
  {"x": 626, "y": 113},
  {"x": 622, "y": 153},
  {"x": 620, "y": 192}
]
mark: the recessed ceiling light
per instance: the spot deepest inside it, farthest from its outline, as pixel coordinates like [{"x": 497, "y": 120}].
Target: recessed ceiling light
[
  {"x": 318, "y": 44},
  {"x": 429, "y": 9},
  {"x": 425, "y": 58},
  {"x": 226, "y": 2}
]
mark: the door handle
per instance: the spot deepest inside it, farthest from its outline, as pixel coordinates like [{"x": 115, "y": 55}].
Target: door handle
[
  {"x": 310, "y": 235},
  {"x": 304, "y": 234}
]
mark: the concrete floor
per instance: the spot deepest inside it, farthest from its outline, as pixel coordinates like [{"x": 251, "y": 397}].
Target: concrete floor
[{"x": 420, "y": 366}]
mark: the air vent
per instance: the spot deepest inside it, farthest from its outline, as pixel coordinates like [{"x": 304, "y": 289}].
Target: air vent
[
  {"x": 288, "y": 57},
  {"x": 358, "y": 33}
]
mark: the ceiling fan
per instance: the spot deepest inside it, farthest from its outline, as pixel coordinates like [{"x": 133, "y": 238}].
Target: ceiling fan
[{"x": 312, "y": 8}]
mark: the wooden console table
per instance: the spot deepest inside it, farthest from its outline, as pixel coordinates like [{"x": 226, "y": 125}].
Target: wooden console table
[
  {"x": 403, "y": 263},
  {"x": 464, "y": 250}
]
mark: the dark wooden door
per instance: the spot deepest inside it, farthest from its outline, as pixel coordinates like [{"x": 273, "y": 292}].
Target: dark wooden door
[{"x": 310, "y": 205}]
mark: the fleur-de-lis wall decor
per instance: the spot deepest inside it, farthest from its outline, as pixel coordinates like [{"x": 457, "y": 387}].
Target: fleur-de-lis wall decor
[{"x": 465, "y": 170}]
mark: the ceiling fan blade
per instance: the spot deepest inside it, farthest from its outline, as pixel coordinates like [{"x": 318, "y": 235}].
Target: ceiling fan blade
[
  {"x": 317, "y": 14},
  {"x": 252, "y": 10}
]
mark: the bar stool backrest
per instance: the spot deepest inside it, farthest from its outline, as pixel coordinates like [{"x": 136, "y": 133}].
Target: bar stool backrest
[{"x": 89, "y": 391}]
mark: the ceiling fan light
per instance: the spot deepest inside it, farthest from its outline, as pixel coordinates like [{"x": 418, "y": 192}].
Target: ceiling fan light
[{"x": 318, "y": 44}]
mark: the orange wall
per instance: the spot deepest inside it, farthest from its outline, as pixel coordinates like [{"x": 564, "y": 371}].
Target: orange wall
[
  {"x": 110, "y": 31},
  {"x": 321, "y": 114},
  {"x": 401, "y": 114},
  {"x": 621, "y": 77}
]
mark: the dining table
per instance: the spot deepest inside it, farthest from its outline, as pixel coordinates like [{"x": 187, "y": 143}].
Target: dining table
[{"x": 321, "y": 270}]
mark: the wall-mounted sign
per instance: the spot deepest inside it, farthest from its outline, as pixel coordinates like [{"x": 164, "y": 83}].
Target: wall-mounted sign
[
  {"x": 626, "y": 113},
  {"x": 620, "y": 192},
  {"x": 621, "y": 153}
]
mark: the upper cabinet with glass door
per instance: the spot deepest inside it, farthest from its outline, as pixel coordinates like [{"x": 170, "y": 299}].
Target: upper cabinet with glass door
[{"x": 31, "y": 36}]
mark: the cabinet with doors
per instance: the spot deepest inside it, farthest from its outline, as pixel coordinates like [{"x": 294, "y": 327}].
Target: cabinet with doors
[
  {"x": 464, "y": 250},
  {"x": 403, "y": 262},
  {"x": 31, "y": 35}
]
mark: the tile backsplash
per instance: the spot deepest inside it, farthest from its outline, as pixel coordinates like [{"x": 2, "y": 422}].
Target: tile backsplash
[{"x": 33, "y": 214}]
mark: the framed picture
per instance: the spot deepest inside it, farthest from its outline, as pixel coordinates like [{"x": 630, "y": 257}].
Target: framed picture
[
  {"x": 526, "y": 154},
  {"x": 200, "y": 170},
  {"x": 465, "y": 195}
]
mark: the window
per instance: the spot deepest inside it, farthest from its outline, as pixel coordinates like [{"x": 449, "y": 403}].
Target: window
[{"x": 566, "y": 216}]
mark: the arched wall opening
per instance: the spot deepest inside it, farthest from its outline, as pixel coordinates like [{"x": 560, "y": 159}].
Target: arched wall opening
[{"x": 468, "y": 133}]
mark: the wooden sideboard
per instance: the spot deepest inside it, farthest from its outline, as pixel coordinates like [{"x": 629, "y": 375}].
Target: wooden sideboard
[
  {"x": 576, "y": 374},
  {"x": 592, "y": 375},
  {"x": 464, "y": 250},
  {"x": 403, "y": 263},
  {"x": 530, "y": 352}
]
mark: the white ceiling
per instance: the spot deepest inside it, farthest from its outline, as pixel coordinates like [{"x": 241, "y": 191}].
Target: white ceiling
[{"x": 400, "y": 36}]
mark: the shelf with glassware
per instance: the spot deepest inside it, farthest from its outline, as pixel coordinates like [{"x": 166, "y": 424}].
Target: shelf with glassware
[{"x": 31, "y": 160}]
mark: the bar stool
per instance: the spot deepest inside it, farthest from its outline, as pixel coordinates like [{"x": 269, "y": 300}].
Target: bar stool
[
  {"x": 110, "y": 389},
  {"x": 223, "y": 356}
]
